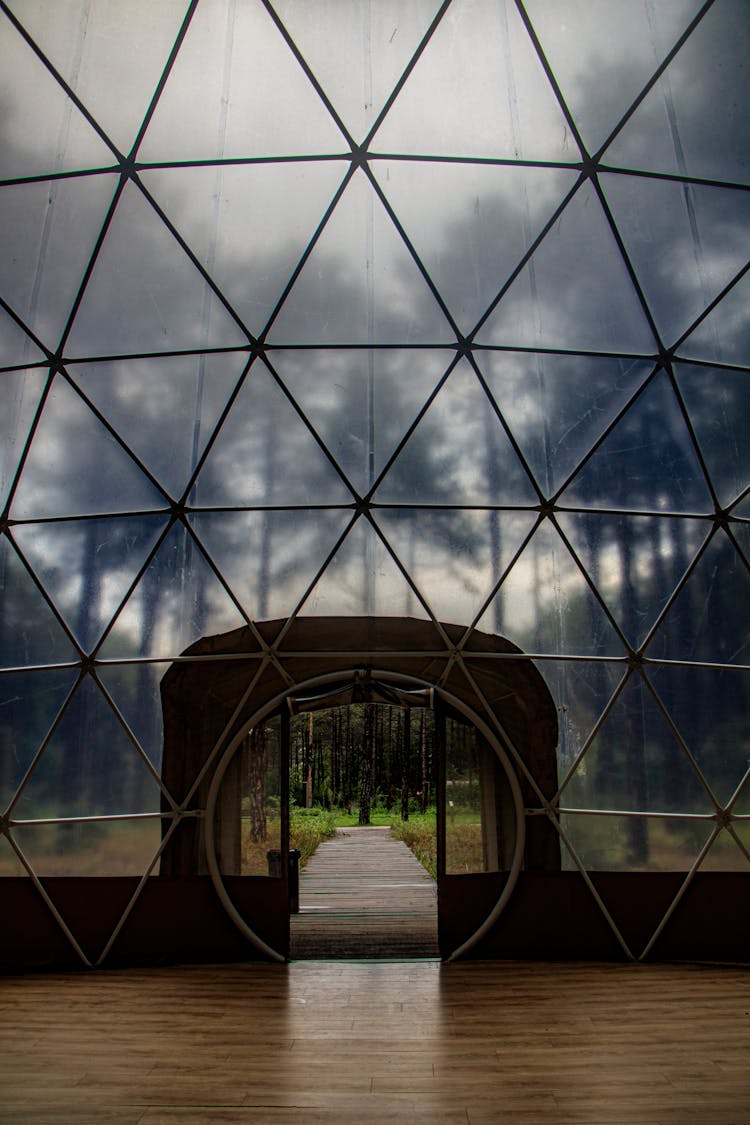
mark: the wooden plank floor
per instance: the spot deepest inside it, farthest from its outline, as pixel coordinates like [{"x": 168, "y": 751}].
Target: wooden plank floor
[
  {"x": 470, "y": 1043},
  {"x": 364, "y": 895}
]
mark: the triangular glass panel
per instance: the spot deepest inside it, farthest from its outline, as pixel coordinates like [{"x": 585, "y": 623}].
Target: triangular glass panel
[
  {"x": 269, "y": 559},
  {"x": 361, "y": 401},
  {"x": 471, "y": 224},
  {"x": 741, "y": 533},
  {"x": 602, "y": 55},
  {"x": 19, "y": 397},
  {"x": 49, "y": 231},
  {"x": 693, "y": 122},
  {"x": 710, "y": 707},
  {"x": 265, "y": 454},
  {"x": 89, "y": 847},
  {"x": 558, "y": 405},
  {"x": 360, "y": 285},
  {"x": 29, "y": 631},
  {"x": 546, "y": 606},
  {"x": 178, "y": 600},
  {"x": 685, "y": 242},
  {"x": 362, "y": 580},
  {"x": 112, "y": 56},
  {"x": 724, "y": 335},
  {"x": 247, "y": 225},
  {"x": 647, "y": 463},
  {"x": 575, "y": 292},
  {"x": 718, "y": 403},
  {"x": 458, "y": 454},
  {"x": 87, "y": 566},
  {"x": 726, "y": 854},
  {"x": 635, "y": 763},
  {"x": 581, "y": 689},
  {"x": 478, "y": 90},
  {"x": 29, "y": 702},
  {"x": 635, "y": 843},
  {"x": 89, "y": 767},
  {"x": 374, "y": 44},
  {"x": 635, "y": 562},
  {"x": 76, "y": 467},
  {"x": 42, "y": 129},
  {"x": 145, "y": 295},
  {"x": 253, "y": 97},
  {"x": 164, "y": 409},
  {"x": 741, "y": 806},
  {"x": 10, "y": 864},
  {"x": 454, "y": 557},
  {"x": 15, "y": 346},
  {"x": 710, "y": 620},
  {"x": 134, "y": 689}
]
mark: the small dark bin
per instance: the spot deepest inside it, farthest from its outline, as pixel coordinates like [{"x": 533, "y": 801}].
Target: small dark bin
[{"x": 276, "y": 871}]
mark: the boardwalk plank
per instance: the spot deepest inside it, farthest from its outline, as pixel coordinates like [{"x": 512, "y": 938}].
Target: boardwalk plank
[{"x": 365, "y": 895}]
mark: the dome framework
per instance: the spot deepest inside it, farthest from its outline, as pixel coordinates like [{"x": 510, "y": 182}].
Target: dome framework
[{"x": 377, "y": 310}]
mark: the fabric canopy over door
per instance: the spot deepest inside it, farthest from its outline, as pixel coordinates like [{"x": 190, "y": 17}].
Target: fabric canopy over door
[{"x": 224, "y": 685}]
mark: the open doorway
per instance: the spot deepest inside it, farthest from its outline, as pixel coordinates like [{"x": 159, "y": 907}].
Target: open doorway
[
  {"x": 363, "y": 800},
  {"x": 226, "y": 688},
  {"x": 363, "y": 825}
]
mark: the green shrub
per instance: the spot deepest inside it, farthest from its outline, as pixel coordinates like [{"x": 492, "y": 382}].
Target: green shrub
[
  {"x": 420, "y": 836},
  {"x": 308, "y": 828}
]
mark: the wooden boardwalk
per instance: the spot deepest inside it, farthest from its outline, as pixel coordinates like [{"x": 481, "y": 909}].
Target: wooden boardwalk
[{"x": 364, "y": 895}]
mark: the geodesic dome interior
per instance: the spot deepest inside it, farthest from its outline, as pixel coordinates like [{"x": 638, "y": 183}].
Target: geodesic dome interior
[{"x": 377, "y": 309}]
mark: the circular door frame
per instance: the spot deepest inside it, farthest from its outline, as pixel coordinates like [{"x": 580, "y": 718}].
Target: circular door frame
[{"x": 394, "y": 678}]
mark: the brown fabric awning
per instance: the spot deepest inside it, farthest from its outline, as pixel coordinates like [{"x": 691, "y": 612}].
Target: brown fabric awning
[{"x": 212, "y": 693}]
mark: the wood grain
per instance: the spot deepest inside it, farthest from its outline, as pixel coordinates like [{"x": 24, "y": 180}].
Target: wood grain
[
  {"x": 476, "y": 1043},
  {"x": 363, "y": 894}
]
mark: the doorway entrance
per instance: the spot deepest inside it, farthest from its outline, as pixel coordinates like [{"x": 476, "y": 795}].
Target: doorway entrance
[
  {"x": 229, "y": 711},
  {"x": 439, "y": 799}
]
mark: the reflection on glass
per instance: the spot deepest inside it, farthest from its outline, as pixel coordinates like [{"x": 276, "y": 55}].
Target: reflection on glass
[
  {"x": 727, "y": 852},
  {"x": 248, "y": 808},
  {"x": 479, "y": 812},
  {"x": 90, "y": 766},
  {"x": 95, "y": 847},
  {"x": 634, "y": 843}
]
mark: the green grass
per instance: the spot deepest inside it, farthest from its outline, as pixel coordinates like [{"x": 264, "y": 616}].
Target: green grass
[
  {"x": 308, "y": 828},
  {"x": 420, "y": 836}
]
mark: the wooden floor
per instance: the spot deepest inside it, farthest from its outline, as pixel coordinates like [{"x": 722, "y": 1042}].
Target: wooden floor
[
  {"x": 470, "y": 1043},
  {"x": 363, "y": 894}
]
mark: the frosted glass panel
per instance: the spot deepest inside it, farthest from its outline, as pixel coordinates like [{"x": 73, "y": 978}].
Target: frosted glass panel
[
  {"x": 604, "y": 54},
  {"x": 114, "y": 848},
  {"x": 77, "y": 467},
  {"x": 43, "y": 131},
  {"x": 89, "y": 767},
  {"x": 49, "y": 231},
  {"x": 29, "y": 703},
  {"x": 635, "y": 843},
  {"x": 636, "y": 763},
  {"x": 693, "y": 120},
  {"x": 112, "y": 55}
]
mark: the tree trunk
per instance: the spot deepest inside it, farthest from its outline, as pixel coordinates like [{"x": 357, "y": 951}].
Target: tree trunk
[
  {"x": 425, "y": 793},
  {"x": 256, "y": 783},
  {"x": 405, "y": 755},
  {"x": 366, "y": 778}
]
